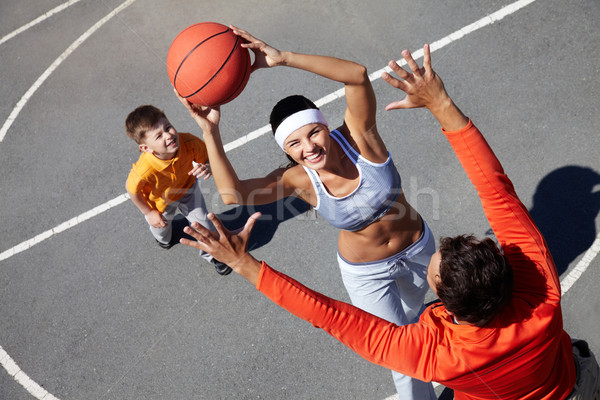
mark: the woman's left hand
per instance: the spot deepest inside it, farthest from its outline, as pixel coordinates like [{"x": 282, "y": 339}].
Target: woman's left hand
[{"x": 265, "y": 56}]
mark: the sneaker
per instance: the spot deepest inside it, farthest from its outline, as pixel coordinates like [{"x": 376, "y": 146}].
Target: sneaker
[
  {"x": 165, "y": 246},
  {"x": 222, "y": 269}
]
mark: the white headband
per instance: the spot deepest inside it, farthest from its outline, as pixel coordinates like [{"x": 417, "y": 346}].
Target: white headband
[{"x": 296, "y": 121}]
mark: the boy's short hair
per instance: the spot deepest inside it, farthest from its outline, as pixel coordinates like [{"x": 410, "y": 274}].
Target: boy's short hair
[
  {"x": 141, "y": 120},
  {"x": 476, "y": 279}
]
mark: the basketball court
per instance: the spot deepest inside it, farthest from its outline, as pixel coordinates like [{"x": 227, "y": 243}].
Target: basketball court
[{"x": 92, "y": 308}]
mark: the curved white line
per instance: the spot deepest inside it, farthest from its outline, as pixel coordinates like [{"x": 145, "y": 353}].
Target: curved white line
[
  {"x": 13, "y": 370},
  {"x": 38, "y": 20},
  {"x": 483, "y": 22},
  {"x": 5, "y": 360},
  {"x": 15, "y": 112}
]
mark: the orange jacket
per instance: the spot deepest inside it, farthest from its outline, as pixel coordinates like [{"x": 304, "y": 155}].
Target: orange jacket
[
  {"x": 522, "y": 354},
  {"x": 165, "y": 181}
]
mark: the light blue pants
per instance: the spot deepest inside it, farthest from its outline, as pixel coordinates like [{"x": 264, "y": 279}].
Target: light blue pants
[
  {"x": 193, "y": 208},
  {"x": 394, "y": 289}
]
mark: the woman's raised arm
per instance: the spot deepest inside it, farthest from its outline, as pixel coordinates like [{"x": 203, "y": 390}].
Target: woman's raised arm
[
  {"x": 360, "y": 97},
  {"x": 232, "y": 189}
]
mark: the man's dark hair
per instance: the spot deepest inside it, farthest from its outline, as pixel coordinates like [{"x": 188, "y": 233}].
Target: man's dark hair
[{"x": 476, "y": 280}]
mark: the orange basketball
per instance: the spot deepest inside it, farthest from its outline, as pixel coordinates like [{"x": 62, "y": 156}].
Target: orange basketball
[{"x": 207, "y": 64}]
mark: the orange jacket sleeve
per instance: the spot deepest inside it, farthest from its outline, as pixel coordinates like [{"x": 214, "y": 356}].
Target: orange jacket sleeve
[
  {"x": 523, "y": 244},
  {"x": 400, "y": 348}
]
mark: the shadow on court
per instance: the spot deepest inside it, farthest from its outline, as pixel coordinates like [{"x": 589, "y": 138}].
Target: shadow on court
[
  {"x": 565, "y": 207},
  {"x": 272, "y": 215}
]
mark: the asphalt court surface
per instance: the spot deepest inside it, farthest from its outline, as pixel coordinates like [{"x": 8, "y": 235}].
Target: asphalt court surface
[{"x": 98, "y": 311}]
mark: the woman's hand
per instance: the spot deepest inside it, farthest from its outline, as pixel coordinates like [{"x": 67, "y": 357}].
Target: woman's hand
[
  {"x": 206, "y": 117},
  {"x": 265, "y": 56}
]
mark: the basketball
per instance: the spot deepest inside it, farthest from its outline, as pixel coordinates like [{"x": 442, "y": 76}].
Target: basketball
[{"x": 207, "y": 64}]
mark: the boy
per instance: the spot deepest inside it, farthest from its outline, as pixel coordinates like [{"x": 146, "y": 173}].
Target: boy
[{"x": 164, "y": 178}]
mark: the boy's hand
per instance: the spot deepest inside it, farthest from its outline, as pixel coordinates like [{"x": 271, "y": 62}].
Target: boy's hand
[
  {"x": 155, "y": 219},
  {"x": 201, "y": 170}
]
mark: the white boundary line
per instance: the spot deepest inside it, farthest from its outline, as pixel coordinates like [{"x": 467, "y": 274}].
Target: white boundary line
[
  {"x": 13, "y": 370},
  {"x": 483, "y": 22},
  {"x": 38, "y": 20},
  {"x": 581, "y": 266},
  {"x": 63, "y": 227},
  {"x": 15, "y": 112},
  {"x": 5, "y": 360}
]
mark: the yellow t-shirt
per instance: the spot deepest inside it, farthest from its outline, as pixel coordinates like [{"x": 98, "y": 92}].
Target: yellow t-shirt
[{"x": 163, "y": 181}]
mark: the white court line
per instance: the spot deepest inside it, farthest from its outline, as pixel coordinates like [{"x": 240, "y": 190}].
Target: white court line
[
  {"x": 581, "y": 266},
  {"x": 63, "y": 227},
  {"x": 38, "y": 20},
  {"x": 15, "y": 112},
  {"x": 13, "y": 370},
  {"x": 485, "y": 21},
  {"x": 5, "y": 360}
]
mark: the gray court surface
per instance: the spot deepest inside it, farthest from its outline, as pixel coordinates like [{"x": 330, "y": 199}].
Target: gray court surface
[{"x": 98, "y": 311}]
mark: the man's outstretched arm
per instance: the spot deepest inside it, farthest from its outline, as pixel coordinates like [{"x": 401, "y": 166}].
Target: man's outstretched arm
[{"x": 513, "y": 226}]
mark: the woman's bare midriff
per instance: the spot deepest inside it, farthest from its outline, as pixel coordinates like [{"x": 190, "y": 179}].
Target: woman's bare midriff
[{"x": 394, "y": 232}]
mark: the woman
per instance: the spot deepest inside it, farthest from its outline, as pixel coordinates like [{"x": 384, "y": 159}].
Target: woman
[{"x": 348, "y": 176}]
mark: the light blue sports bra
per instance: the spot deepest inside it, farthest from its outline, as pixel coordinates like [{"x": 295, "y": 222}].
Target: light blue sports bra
[{"x": 378, "y": 189}]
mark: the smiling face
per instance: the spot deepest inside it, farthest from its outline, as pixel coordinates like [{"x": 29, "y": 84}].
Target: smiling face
[
  {"x": 308, "y": 145},
  {"x": 162, "y": 140}
]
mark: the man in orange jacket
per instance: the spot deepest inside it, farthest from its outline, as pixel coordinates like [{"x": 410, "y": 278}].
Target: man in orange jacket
[{"x": 498, "y": 331}]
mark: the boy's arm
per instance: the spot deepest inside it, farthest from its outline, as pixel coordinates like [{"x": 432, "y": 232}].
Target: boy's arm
[{"x": 155, "y": 218}]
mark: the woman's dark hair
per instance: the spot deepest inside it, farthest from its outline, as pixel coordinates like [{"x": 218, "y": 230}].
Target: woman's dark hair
[
  {"x": 475, "y": 279},
  {"x": 286, "y": 107}
]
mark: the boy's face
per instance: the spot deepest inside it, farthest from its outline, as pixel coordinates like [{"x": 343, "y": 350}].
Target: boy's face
[{"x": 162, "y": 140}]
